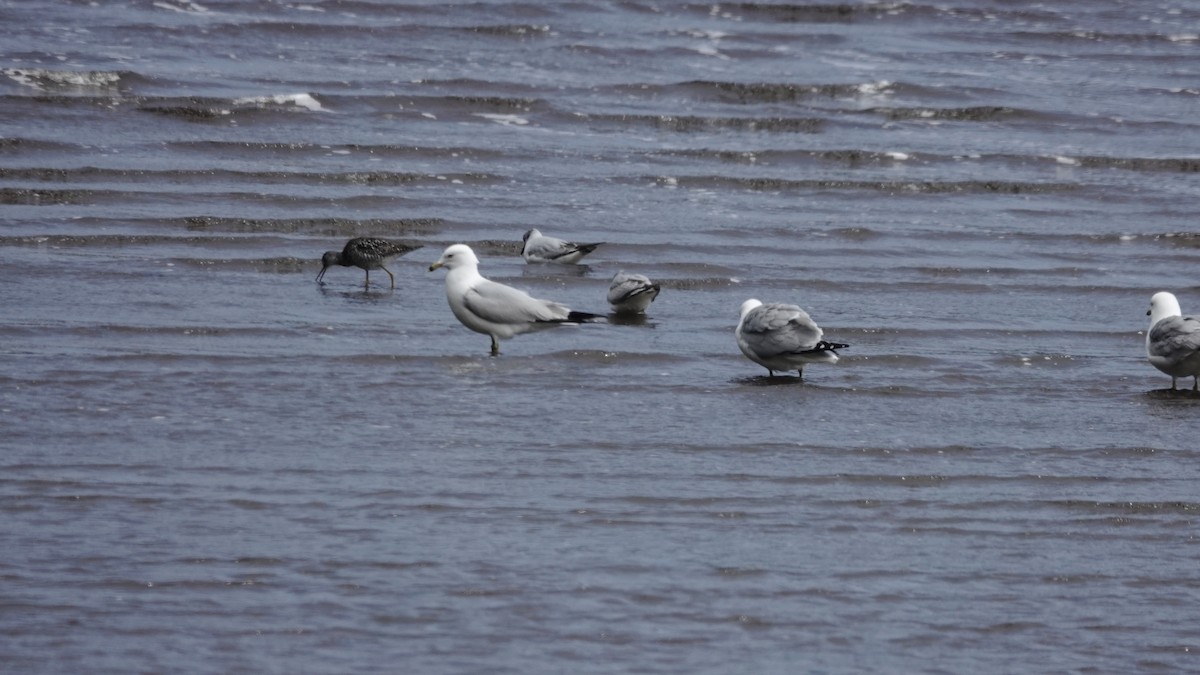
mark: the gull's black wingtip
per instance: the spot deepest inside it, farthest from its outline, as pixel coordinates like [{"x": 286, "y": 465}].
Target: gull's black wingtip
[{"x": 585, "y": 317}]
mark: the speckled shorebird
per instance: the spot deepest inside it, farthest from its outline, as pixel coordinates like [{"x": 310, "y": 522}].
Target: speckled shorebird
[
  {"x": 537, "y": 247},
  {"x": 367, "y": 253}
]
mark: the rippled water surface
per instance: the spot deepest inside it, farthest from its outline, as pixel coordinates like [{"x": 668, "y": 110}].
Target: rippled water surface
[{"x": 211, "y": 463}]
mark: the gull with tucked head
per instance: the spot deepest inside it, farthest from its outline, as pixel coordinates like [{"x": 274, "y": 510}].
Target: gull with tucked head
[
  {"x": 782, "y": 337},
  {"x": 1173, "y": 340},
  {"x": 493, "y": 308},
  {"x": 631, "y": 293}
]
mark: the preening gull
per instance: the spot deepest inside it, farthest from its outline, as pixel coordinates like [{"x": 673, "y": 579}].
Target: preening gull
[
  {"x": 366, "y": 253},
  {"x": 1173, "y": 340},
  {"x": 538, "y": 247},
  {"x": 782, "y": 337},
  {"x": 631, "y": 293},
  {"x": 493, "y": 308}
]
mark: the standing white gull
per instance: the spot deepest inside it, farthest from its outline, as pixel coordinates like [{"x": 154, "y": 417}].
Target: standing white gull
[
  {"x": 537, "y": 247},
  {"x": 493, "y": 308},
  {"x": 631, "y": 293},
  {"x": 782, "y": 337},
  {"x": 1173, "y": 340}
]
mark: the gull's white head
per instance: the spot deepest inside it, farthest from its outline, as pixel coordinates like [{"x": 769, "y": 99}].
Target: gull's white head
[
  {"x": 1163, "y": 305},
  {"x": 531, "y": 233},
  {"x": 749, "y": 305},
  {"x": 458, "y": 255}
]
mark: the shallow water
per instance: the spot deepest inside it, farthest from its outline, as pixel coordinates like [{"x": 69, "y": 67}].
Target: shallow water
[{"x": 214, "y": 464}]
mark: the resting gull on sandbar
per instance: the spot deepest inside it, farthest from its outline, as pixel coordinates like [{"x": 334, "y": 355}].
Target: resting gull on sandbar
[
  {"x": 537, "y": 247},
  {"x": 493, "y": 308}
]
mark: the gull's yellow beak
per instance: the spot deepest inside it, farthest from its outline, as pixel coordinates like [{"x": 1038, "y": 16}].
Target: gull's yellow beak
[{"x": 435, "y": 265}]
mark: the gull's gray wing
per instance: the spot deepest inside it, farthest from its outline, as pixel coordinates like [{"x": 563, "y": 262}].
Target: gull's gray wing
[
  {"x": 503, "y": 304},
  {"x": 1175, "y": 337},
  {"x": 550, "y": 248},
  {"x": 777, "y": 329}
]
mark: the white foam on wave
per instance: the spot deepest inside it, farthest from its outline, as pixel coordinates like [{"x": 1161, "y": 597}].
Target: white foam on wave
[
  {"x": 507, "y": 120},
  {"x": 41, "y": 78},
  {"x": 706, "y": 34},
  {"x": 306, "y": 101},
  {"x": 874, "y": 88},
  {"x": 187, "y": 7}
]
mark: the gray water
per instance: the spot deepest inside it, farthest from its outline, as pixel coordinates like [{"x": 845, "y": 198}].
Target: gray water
[{"x": 210, "y": 463}]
